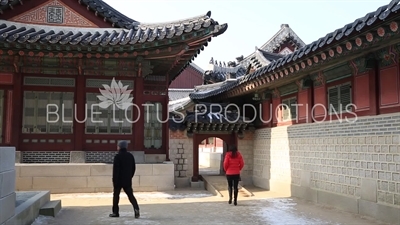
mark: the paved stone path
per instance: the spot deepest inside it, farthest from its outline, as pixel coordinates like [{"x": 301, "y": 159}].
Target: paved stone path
[{"x": 197, "y": 207}]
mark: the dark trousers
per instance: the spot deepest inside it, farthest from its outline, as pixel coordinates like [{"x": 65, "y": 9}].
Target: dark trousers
[
  {"x": 233, "y": 183},
  {"x": 129, "y": 192}
]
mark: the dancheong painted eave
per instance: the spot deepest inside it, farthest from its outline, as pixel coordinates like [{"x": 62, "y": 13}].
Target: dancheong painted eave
[{"x": 351, "y": 36}]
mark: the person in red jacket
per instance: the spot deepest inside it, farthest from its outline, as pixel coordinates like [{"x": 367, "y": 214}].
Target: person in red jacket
[{"x": 233, "y": 164}]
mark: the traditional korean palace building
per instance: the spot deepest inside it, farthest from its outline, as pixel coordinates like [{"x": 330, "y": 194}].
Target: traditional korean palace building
[
  {"x": 61, "y": 52},
  {"x": 327, "y": 122}
]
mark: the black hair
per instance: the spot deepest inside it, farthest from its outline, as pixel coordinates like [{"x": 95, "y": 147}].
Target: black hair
[{"x": 233, "y": 149}]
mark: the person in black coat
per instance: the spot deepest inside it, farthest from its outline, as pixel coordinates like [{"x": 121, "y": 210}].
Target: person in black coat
[{"x": 124, "y": 169}]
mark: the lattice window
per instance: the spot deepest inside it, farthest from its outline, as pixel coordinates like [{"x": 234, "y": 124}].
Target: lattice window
[
  {"x": 111, "y": 120},
  {"x": 339, "y": 98},
  {"x": 48, "y": 112},
  {"x": 98, "y": 83},
  {"x": 1, "y": 114},
  {"x": 47, "y": 81},
  {"x": 153, "y": 115},
  {"x": 289, "y": 109}
]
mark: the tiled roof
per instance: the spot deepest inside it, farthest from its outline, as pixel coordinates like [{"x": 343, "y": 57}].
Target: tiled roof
[
  {"x": 279, "y": 38},
  {"x": 178, "y": 93},
  {"x": 369, "y": 20},
  {"x": 178, "y": 99},
  {"x": 103, "y": 9},
  {"x": 140, "y": 33},
  {"x": 269, "y": 55},
  {"x": 265, "y": 55},
  {"x": 220, "y": 72},
  {"x": 209, "y": 117},
  {"x": 179, "y": 104},
  {"x": 259, "y": 58}
]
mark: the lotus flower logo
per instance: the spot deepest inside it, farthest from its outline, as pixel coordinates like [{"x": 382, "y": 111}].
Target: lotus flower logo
[{"x": 117, "y": 94}]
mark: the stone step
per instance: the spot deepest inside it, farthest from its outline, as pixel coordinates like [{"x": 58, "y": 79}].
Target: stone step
[{"x": 51, "y": 208}]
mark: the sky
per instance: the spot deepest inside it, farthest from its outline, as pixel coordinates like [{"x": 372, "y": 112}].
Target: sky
[{"x": 251, "y": 23}]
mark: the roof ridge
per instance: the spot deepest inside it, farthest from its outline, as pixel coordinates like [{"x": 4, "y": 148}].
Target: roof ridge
[
  {"x": 284, "y": 27},
  {"x": 116, "y": 11},
  {"x": 260, "y": 56}
]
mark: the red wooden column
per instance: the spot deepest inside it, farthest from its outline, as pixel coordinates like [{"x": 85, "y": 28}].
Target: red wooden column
[
  {"x": 6, "y": 82},
  {"x": 79, "y": 112},
  {"x": 196, "y": 143},
  {"x": 14, "y": 116},
  {"x": 304, "y": 100},
  {"x": 374, "y": 91},
  {"x": 166, "y": 128},
  {"x": 166, "y": 125},
  {"x": 276, "y": 110},
  {"x": 267, "y": 113},
  {"x": 138, "y": 126},
  {"x": 320, "y": 108}
]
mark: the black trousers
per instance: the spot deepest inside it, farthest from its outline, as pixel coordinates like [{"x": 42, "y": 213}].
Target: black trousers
[
  {"x": 129, "y": 192},
  {"x": 233, "y": 183}
]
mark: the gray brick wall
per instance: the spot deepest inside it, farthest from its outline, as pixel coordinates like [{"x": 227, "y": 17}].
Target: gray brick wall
[
  {"x": 181, "y": 153},
  {"x": 337, "y": 155},
  {"x": 100, "y": 157},
  {"x": 45, "y": 157}
]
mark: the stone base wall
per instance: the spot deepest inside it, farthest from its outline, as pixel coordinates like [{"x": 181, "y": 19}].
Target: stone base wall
[
  {"x": 84, "y": 178},
  {"x": 351, "y": 166},
  {"x": 181, "y": 154},
  {"x": 7, "y": 183},
  {"x": 245, "y": 146}
]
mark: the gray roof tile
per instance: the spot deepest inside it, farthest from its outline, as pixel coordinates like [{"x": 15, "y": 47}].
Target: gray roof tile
[{"x": 13, "y": 31}]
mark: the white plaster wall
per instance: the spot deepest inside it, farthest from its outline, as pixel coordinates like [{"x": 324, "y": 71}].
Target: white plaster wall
[{"x": 210, "y": 159}]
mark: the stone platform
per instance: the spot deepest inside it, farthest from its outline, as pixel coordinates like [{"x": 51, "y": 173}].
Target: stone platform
[
  {"x": 27, "y": 206},
  {"x": 7, "y": 183},
  {"x": 90, "y": 177}
]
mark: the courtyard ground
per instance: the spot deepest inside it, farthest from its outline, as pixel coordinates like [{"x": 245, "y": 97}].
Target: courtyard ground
[{"x": 188, "y": 206}]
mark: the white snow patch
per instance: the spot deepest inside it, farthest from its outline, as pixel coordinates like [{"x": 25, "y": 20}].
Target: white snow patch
[{"x": 282, "y": 211}]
